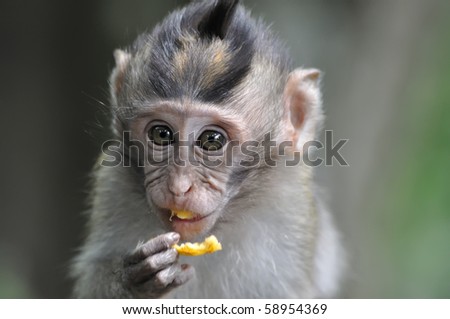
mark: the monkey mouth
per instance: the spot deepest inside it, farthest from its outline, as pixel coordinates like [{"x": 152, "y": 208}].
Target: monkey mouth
[
  {"x": 181, "y": 214},
  {"x": 185, "y": 216},
  {"x": 188, "y": 224}
]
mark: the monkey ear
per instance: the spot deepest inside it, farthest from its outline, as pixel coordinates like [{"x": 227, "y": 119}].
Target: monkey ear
[
  {"x": 116, "y": 84},
  {"x": 303, "y": 109},
  {"x": 122, "y": 59}
]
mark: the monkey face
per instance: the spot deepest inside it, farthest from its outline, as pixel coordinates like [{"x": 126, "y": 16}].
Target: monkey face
[
  {"x": 189, "y": 164},
  {"x": 197, "y": 191}
]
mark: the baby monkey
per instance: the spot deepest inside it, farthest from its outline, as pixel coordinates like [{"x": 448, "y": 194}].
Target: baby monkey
[{"x": 203, "y": 105}]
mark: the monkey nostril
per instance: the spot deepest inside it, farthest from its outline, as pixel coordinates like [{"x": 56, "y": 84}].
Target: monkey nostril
[
  {"x": 184, "y": 193},
  {"x": 180, "y": 191}
]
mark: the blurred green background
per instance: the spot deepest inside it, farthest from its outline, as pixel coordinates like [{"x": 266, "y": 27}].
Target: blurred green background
[{"x": 386, "y": 89}]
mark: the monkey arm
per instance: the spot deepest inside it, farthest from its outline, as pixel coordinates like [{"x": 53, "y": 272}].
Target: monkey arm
[{"x": 149, "y": 271}]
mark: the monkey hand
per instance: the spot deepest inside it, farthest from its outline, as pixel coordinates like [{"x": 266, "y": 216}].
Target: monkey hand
[{"x": 151, "y": 270}]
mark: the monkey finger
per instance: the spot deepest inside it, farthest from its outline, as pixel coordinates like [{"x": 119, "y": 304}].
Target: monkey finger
[
  {"x": 145, "y": 269},
  {"x": 151, "y": 247},
  {"x": 173, "y": 276},
  {"x": 187, "y": 273}
]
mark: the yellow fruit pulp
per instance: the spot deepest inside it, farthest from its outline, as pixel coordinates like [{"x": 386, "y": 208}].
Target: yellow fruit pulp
[
  {"x": 182, "y": 214},
  {"x": 210, "y": 245}
]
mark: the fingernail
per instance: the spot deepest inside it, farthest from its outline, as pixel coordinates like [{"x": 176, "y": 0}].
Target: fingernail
[{"x": 175, "y": 236}]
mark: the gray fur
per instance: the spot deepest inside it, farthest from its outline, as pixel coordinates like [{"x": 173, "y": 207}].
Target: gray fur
[
  {"x": 150, "y": 74},
  {"x": 278, "y": 241}
]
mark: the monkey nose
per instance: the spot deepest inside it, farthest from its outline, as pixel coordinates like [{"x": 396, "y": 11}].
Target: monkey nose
[{"x": 180, "y": 188}]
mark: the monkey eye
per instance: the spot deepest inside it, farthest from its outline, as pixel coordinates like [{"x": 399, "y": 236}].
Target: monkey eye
[
  {"x": 211, "y": 140},
  {"x": 161, "y": 135}
]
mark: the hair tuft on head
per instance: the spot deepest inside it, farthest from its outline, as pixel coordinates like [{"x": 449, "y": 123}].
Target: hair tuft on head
[{"x": 217, "y": 20}]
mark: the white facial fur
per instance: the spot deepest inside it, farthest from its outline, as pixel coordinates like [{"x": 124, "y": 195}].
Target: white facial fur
[{"x": 187, "y": 183}]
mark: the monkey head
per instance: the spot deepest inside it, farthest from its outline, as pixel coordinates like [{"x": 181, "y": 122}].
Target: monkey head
[{"x": 207, "y": 80}]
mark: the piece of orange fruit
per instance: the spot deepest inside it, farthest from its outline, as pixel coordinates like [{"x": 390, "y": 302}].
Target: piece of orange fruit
[{"x": 208, "y": 246}]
